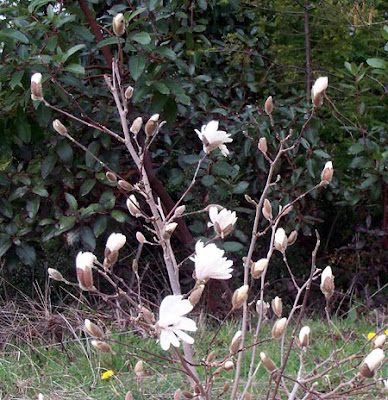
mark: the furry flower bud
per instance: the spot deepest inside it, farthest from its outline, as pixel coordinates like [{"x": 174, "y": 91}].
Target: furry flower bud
[
  {"x": 118, "y": 25},
  {"x": 59, "y": 127},
  {"x": 304, "y": 336},
  {"x": 268, "y": 106},
  {"x": 259, "y": 267},
  {"x": 139, "y": 368},
  {"x": 235, "y": 344},
  {"x": 36, "y": 87},
  {"x": 152, "y": 125},
  {"x": 93, "y": 330},
  {"x": 136, "y": 125},
  {"x": 133, "y": 206},
  {"x": 111, "y": 177},
  {"x": 292, "y": 238},
  {"x": 55, "y": 275},
  {"x": 140, "y": 238},
  {"x": 262, "y": 307},
  {"x": 128, "y": 92},
  {"x": 281, "y": 241},
  {"x": 277, "y": 306},
  {"x": 279, "y": 327},
  {"x": 125, "y": 185},
  {"x": 317, "y": 91},
  {"x": 228, "y": 365},
  {"x": 327, "y": 173},
  {"x": 371, "y": 362},
  {"x": 378, "y": 341},
  {"x": 327, "y": 282},
  {"x": 102, "y": 346},
  {"x": 196, "y": 294},
  {"x": 262, "y": 146},
  {"x": 239, "y": 296},
  {"x": 169, "y": 230},
  {"x": 267, "y": 362},
  {"x": 267, "y": 210}
]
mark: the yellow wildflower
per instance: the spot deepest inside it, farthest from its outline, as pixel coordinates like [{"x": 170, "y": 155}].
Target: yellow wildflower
[
  {"x": 107, "y": 374},
  {"x": 386, "y": 332},
  {"x": 371, "y": 335}
]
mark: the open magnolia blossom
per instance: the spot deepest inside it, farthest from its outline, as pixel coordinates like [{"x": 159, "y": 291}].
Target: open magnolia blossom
[
  {"x": 116, "y": 241},
  {"x": 222, "y": 221},
  {"x": 212, "y": 138},
  {"x": 210, "y": 262},
  {"x": 172, "y": 321}
]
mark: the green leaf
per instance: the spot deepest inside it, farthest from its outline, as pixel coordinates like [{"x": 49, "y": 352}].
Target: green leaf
[
  {"x": 71, "y": 201},
  {"x": 119, "y": 216},
  {"x": 241, "y": 187},
  {"x": 5, "y": 244},
  {"x": 136, "y": 66},
  {"x": 75, "y": 69},
  {"x": 176, "y": 177},
  {"x": 72, "y": 51},
  {"x": 36, "y": 4},
  {"x": 208, "y": 180},
  {"x": 222, "y": 168},
  {"x": 233, "y": 246},
  {"x": 94, "y": 148},
  {"x": 108, "y": 199},
  {"x": 166, "y": 52},
  {"x": 16, "y": 79},
  {"x": 13, "y": 34},
  {"x": 65, "y": 151},
  {"x": 90, "y": 210},
  {"x": 40, "y": 191},
  {"x": 321, "y": 154},
  {"x": 356, "y": 148},
  {"x": 87, "y": 238},
  {"x": 377, "y": 63},
  {"x": 87, "y": 186},
  {"x": 130, "y": 16},
  {"x": 32, "y": 207},
  {"x": 100, "y": 225},
  {"x": 161, "y": 87},
  {"x": 26, "y": 253},
  {"x": 24, "y": 131},
  {"x": 109, "y": 41},
  {"x": 66, "y": 223},
  {"x": 48, "y": 165},
  {"x": 369, "y": 181},
  {"x": 141, "y": 37},
  {"x": 6, "y": 208}
]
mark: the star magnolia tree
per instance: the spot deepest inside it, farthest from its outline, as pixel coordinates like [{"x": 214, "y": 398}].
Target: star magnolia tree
[{"x": 175, "y": 329}]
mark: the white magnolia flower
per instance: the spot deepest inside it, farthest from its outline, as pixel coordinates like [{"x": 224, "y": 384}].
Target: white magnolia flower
[
  {"x": 172, "y": 322},
  {"x": 115, "y": 241},
  {"x": 222, "y": 221},
  {"x": 212, "y": 138},
  {"x": 281, "y": 241},
  {"x": 210, "y": 263},
  {"x": 320, "y": 85}
]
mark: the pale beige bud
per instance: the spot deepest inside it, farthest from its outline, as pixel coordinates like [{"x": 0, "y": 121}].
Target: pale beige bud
[
  {"x": 169, "y": 230},
  {"x": 36, "y": 87},
  {"x": 111, "y": 177},
  {"x": 196, "y": 294},
  {"x": 133, "y": 206},
  {"x": 140, "y": 238},
  {"x": 148, "y": 315},
  {"x": 379, "y": 341},
  {"x": 268, "y": 106},
  {"x": 277, "y": 306},
  {"x": 128, "y": 396},
  {"x": 262, "y": 307},
  {"x": 228, "y": 365},
  {"x": 240, "y": 295},
  {"x": 262, "y": 146},
  {"x": 371, "y": 363},
  {"x": 125, "y": 185},
  {"x": 327, "y": 282},
  {"x": 55, "y": 275},
  {"x": 235, "y": 344},
  {"x": 280, "y": 242},
  {"x": 259, "y": 267},
  {"x": 102, "y": 346},
  {"x": 187, "y": 394},
  {"x": 179, "y": 211},
  {"x": 267, "y": 362},
  {"x": 136, "y": 125},
  {"x": 177, "y": 394},
  {"x": 118, "y": 25},
  {"x": 267, "y": 210},
  {"x": 279, "y": 327},
  {"x": 327, "y": 173},
  {"x": 210, "y": 357},
  {"x": 152, "y": 125},
  {"x": 292, "y": 238},
  {"x": 304, "y": 336},
  {"x": 250, "y": 200},
  {"x": 93, "y": 330},
  {"x": 318, "y": 89},
  {"x": 59, "y": 127},
  {"x": 226, "y": 388},
  {"x": 135, "y": 266},
  {"x": 139, "y": 368},
  {"x": 128, "y": 92}
]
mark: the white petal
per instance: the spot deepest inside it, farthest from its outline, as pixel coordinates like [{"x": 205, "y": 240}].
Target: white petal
[{"x": 184, "y": 336}]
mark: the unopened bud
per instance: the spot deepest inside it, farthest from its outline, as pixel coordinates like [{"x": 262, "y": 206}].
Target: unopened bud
[
  {"x": 268, "y": 106},
  {"x": 267, "y": 362},
  {"x": 128, "y": 92},
  {"x": 55, "y": 275},
  {"x": 210, "y": 357},
  {"x": 36, "y": 87},
  {"x": 279, "y": 327},
  {"x": 128, "y": 396},
  {"x": 125, "y": 185},
  {"x": 327, "y": 173},
  {"x": 281, "y": 241},
  {"x": 235, "y": 344},
  {"x": 259, "y": 267},
  {"x": 196, "y": 294},
  {"x": 148, "y": 315},
  {"x": 371, "y": 362},
  {"x": 304, "y": 336},
  {"x": 136, "y": 125},
  {"x": 277, "y": 306},
  {"x": 139, "y": 368},
  {"x": 247, "y": 396},
  {"x": 118, "y": 25},
  {"x": 177, "y": 395},
  {"x": 133, "y": 206},
  {"x": 169, "y": 230},
  {"x": 327, "y": 282},
  {"x": 93, "y": 330},
  {"x": 41, "y": 397},
  {"x": 152, "y": 125},
  {"x": 140, "y": 238},
  {"x": 267, "y": 210},
  {"x": 262, "y": 146},
  {"x": 179, "y": 211},
  {"x": 135, "y": 266},
  {"x": 228, "y": 365},
  {"x": 225, "y": 388},
  {"x": 59, "y": 127},
  {"x": 262, "y": 307},
  {"x": 378, "y": 341},
  {"x": 240, "y": 295},
  {"x": 111, "y": 177},
  {"x": 250, "y": 200},
  {"x": 317, "y": 91},
  {"x": 187, "y": 394},
  {"x": 102, "y": 346},
  {"x": 292, "y": 238}
]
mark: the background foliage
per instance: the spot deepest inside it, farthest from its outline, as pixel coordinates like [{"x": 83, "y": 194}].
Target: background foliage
[{"x": 192, "y": 61}]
